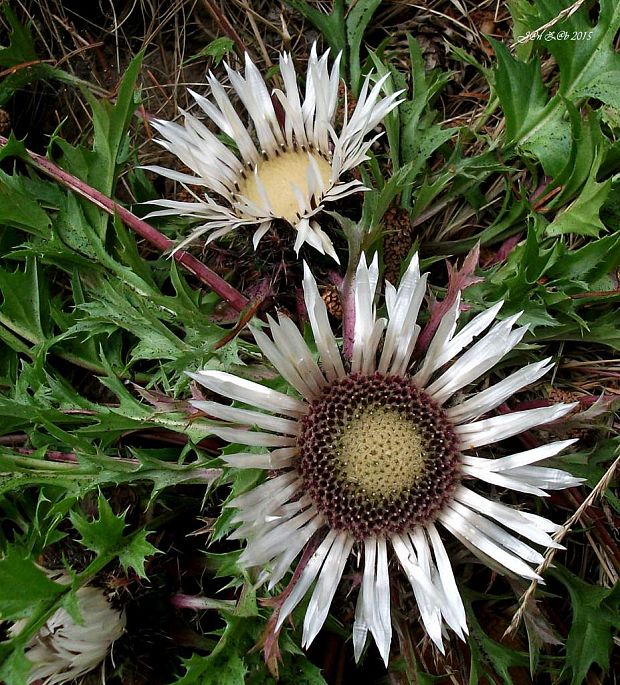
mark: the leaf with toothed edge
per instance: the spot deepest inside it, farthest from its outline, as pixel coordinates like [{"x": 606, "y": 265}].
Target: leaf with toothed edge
[{"x": 595, "y": 618}]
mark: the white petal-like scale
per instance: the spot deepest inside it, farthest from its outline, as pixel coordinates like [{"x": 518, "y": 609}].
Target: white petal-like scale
[
  {"x": 306, "y": 578},
  {"x": 494, "y": 533},
  {"x": 251, "y": 438},
  {"x": 267, "y": 460},
  {"x": 443, "y": 334},
  {"x": 466, "y": 530},
  {"x": 263, "y": 495},
  {"x": 249, "y": 392},
  {"x": 283, "y": 515},
  {"x": 492, "y": 397},
  {"x": 283, "y": 564},
  {"x": 426, "y": 595},
  {"x": 373, "y": 609},
  {"x": 325, "y": 589},
  {"x": 477, "y": 360},
  {"x": 452, "y": 597},
  {"x": 323, "y": 335},
  {"x": 403, "y": 312},
  {"x": 276, "y": 424},
  {"x": 507, "y": 516},
  {"x": 291, "y": 343},
  {"x": 269, "y": 545},
  {"x": 498, "y": 428},
  {"x": 381, "y": 626},
  {"x": 366, "y": 279},
  {"x": 521, "y": 458},
  {"x": 286, "y": 367},
  {"x": 504, "y": 481}
]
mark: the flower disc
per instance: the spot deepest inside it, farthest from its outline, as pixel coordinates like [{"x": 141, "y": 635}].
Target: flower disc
[
  {"x": 278, "y": 182},
  {"x": 377, "y": 455}
]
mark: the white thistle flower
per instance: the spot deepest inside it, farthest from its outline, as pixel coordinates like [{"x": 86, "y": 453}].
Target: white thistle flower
[
  {"x": 290, "y": 169},
  {"x": 63, "y": 650},
  {"x": 383, "y": 456}
]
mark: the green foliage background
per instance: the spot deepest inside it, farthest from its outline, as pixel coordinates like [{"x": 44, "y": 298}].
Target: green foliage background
[{"x": 94, "y": 336}]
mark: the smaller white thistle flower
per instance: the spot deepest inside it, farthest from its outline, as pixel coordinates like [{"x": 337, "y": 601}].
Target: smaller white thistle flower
[
  {"x": 290, "y": 169},
  {"x": 64, "y": 650}
]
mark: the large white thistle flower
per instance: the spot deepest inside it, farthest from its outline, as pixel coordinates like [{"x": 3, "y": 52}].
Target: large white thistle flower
[
  {"x": 64, "y": 650},
  {"x": 293, "y": 165},
  {"x": 384, "y": 456}
]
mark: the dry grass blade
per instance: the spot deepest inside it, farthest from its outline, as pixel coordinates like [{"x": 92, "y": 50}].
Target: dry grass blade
[
  {"x": 564, "y": 14},
  {"x": 597, "y": 491}
]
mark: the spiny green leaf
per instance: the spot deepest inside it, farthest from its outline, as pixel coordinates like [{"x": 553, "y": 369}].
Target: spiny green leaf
[
  {"x": 104, "y": 534},
  {"x": 534, "y": 122},
  {"x": 605, "y": 87},
  {"x": 596, "y": 613},
  {"x": 588, "y": 143},
  {"x": 217, "y": 49},
  {"x": 590, "y": 263},
  {"x": 14, "y": 666},
  {"x": 359, "y": 16},
  {"x": 21, "y": 47},
  {"x": 21, "y": 51},
  {"x": 581, "y": 217},
  {"x": 72, "y": 228},
  {"x": 229, "y": 669},
  {"x": 23, "y": 585},
  {"x": 25, "y": 309},
  {"x": 585, "y": 64},
  {"x": 489, "y": 658},
  {"x": 235, "y": 661},
  {"x": 110, "y": 124},
  {"x": 135, "y": 553},
  {"x": 13, "y": 148},
  {"x": 332, "y": 26},
  {"x": 18, "y": 209},
  {"x": 302, "y": 672}
]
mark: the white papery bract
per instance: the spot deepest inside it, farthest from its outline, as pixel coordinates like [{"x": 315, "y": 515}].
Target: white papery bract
[
  {"x": 289, "y": 169},
  {"x": 327, "y": 496},
  {"x": 64, "y": 650}
]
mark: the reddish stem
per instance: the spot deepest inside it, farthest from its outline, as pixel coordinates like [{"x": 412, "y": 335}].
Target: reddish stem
[
  {"x": 196, "y": 603},
  {"x": 225, "y": 25},
  {"x": 144, "y": 230},
  {"x": 348, "y": 318},
  {"x": 53, "y": 455}
]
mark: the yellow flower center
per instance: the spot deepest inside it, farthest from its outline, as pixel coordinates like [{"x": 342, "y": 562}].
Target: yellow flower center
[
  {"x": 377, "y": 455},
  {"x": 382, "y": 453},
  {"x": 278, "y": 176}
]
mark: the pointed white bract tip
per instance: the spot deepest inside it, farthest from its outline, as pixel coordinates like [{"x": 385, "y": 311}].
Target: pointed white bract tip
[
  {"x": 359, "y": 641},
  {"x": 362, "y": 266},
  {"x": 440, "y": 646},
  {"x": 384, "y": 650}
]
